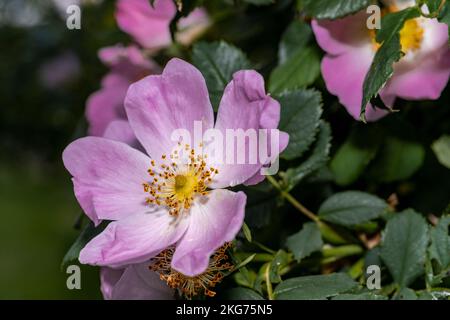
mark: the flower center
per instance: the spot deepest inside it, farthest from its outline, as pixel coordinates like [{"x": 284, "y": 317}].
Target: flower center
[
  {"x": 411, "y": 35},
  {"x": 193, "y": 286},
  {"x": 175, "y": 184}
]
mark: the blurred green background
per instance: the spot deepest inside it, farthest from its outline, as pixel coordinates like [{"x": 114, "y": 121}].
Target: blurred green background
[{"x": 46, "y": 74}]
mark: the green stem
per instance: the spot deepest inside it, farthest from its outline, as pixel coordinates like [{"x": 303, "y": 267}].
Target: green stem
[
  {"x": 342, "y": 251},
  {"x": 268, "y": 283},
  {"x": 263, "y": 247},
  {"x": 292, "y": 200},
  {"x": 336, "y": 253},
  {"x": 259, "y": 257}
]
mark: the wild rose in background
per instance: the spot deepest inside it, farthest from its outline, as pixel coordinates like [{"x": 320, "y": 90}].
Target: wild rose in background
[
  {"x": 350, "y": 46},
  {"x": 149, "y": 25},
  {"x": 127, "y": 65}
]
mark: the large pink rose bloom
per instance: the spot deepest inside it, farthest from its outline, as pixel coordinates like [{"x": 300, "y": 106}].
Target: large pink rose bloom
[
  {"x": 149, "y": 26},
  {"x": 421, "y": 74},
  {"x": 114, "y": 181},
  {"x": 135, "y": 282},
  {"x": 106, "y": 105}
]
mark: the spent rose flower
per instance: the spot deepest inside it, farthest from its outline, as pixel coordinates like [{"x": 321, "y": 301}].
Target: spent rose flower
[
  {"x": 350, "y": 46},
  {"x": 149, "y": 26},
  {"x": 157, "y": 280},
  {"x": 154, "y": 201},
  {"x": 135, "y": 282},
  {"x": 106, "y": 105}
]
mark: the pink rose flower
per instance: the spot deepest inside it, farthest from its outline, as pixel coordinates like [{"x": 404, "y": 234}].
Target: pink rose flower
[
  {"x": 152, "y": 203},
  {"x": 106, "y": 105},
  {"x": 149, "y": 26},
  {"x": 350, "y": 46}
]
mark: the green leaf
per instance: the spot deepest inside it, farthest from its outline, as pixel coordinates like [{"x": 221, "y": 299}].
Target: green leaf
[
  {"x": 280, "y": 261},
  {"x": 317, "y": 159},
  {"x": 306, "y": 241},
  {"x": 218, "y": 61},
  {"x": 397, "y": 160},
  {"x": 245, "y": 261},
  {"x": 444, "y": 16},
  {"x": 300, "y": 118},
  {"x": 247, "y": 232},
  {"x": 314, "y": 287},
  {"x": 441, "y": 148},
  {"x": 245, "y": 277},
  {"x": 405, "y": 294},
  {"x": 360, "y": 296},
  {"x": 261, "y": 202},
  {"x": 433, "y": 5},
  {"x": 351, "y": 208},
  {"x": 241, "y": 294},
  {"x": 440, "y": 242},
  {"x": 332, "y": 9},
  {"x": 359, "y": 149},
  {"x": 404, "y": 244},
  {"x": 299, "y": 64},
  {"x": 300, "y": 70},
  {"x": 295, "y": 38},
  {"x": 381, "y": 69},
  {"x": 88, "y": 233},
  {"x": 330, "y": 234}
]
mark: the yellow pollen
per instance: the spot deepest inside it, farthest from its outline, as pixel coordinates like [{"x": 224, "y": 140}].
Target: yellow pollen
[
  {"x": 190, "y": 287},
  {"x": 411, "y": 35},
  {"x": 178, "y": 183}
]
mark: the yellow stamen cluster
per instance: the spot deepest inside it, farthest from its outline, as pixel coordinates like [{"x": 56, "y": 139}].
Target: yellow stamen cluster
[
  {"x": 411, "y": 35},
  {"x": 193, "y": 286},
  {"x": 175, "y": 184}
]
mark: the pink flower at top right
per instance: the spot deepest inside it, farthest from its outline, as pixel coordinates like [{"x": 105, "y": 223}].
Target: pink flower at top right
[{"x": 350, "y": 47}]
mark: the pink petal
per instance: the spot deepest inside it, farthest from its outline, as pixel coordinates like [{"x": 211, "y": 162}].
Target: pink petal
[
  {"x": 108, "y": 279},
  {"x": 425, "y": 80},
  {"x": 344, "y": 77},
  {"x": 140, "y": 283},
  {"x": 192, "y": 26},
  {"x": 435, "y": 35},
  {"x": 108, "y": 177},
  {"x": 120, "y": 130},
  {"x": 128, "y": 62},
  {"x": 148, "y": 25},
  {"x": 339, "y": 36},
  {"x": 106, "y": 105},
  {"x": 244, "y": 105},
  {"x": 134, "y": 239},
  {"x": 128, "y": 65},
  {"x": 158, "y": 105},
  {"x": 213, "y": 221},
  {"x": 258, "y": 177},
  {"x": 423, "y": 74}
]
